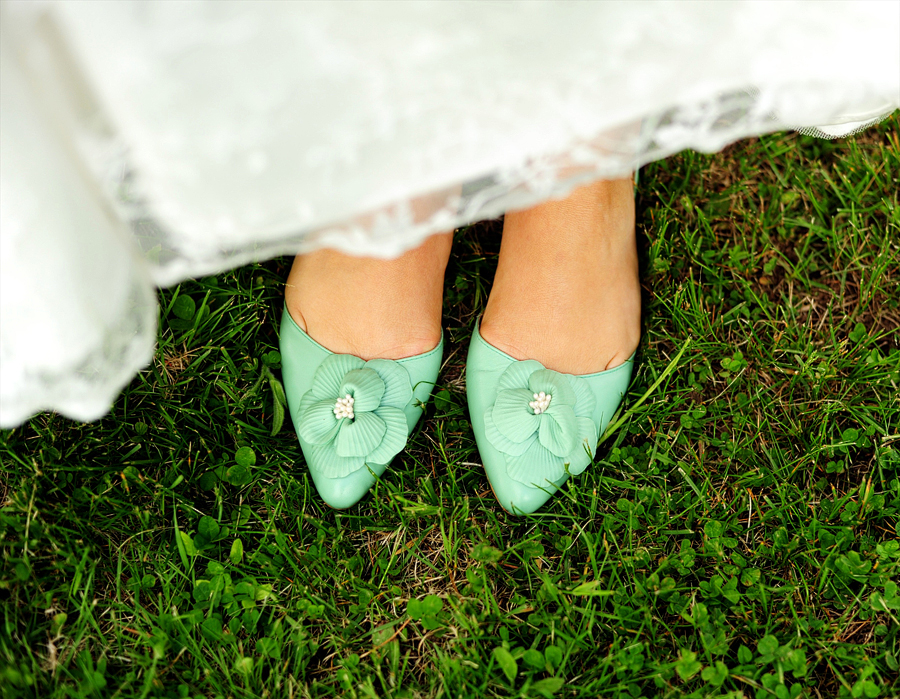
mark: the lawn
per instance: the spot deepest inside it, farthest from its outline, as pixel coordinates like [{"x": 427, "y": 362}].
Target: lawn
[{"x": 736, "y": 535}]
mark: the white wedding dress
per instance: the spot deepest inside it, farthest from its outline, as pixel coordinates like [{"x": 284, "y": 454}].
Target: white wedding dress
[{"x": 142, "y": 143}]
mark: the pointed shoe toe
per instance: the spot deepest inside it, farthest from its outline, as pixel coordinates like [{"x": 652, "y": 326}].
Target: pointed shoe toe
[
  {"x": 352, "y": 416},
  {"x": 535, "y": 427},
  {"x": 344, "y": 493},
  {"x": 514, "y": 496}
]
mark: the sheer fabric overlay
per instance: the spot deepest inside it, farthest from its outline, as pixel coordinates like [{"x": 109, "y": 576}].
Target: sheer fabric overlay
[{"x": 145, "y": 143}]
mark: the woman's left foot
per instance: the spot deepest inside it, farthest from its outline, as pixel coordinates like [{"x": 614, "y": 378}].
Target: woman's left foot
[{"x": 551, "y": 361}]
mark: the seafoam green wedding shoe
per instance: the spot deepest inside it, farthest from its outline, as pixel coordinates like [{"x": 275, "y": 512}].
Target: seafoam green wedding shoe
[
  {"x": 535, "y": 427},
  {"x": 352, "y": 417}
]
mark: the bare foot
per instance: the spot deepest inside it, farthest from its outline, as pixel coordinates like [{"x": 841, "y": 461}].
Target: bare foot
[
  {"x": 566, "y": 290},
  {"x": 371, "y": 308}
]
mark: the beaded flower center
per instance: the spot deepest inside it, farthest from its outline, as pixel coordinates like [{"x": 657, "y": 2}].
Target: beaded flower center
[
  {"x": 343, "y": 407},
  {"x": 540, "y": 403}
]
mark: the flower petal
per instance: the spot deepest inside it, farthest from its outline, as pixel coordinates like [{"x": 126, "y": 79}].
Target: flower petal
[
  {"x": 360, "y": 436},
  {"x": 395, "y": 435},
  {"x": 516, "y": 374},
  {"x": 318, "y": 425},
  {"x": 366, "y": 387},
  {"x": 554, "y": 383},
  {"x": 397, "y": 387},
  {"x": 589, "y": 433},
  {"x": 330, "y": 374},
  {"x": 305, "y": 403},
  {"x": 326, "y": 461},
  {"x": 559, "y": 430},
  {"x": 583, "y": 453},
  {"x": 512, "y": 415},
  {"x": 584, "y": 397},
  {"x": 500, "y": 442},
  {"x": 535, "y": 467}
]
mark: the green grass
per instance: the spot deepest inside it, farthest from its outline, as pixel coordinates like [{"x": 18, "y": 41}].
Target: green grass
[{"x": 736, "y": 536}]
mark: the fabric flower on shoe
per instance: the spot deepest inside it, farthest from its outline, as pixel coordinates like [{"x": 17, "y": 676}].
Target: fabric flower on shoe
[
  {"x": 354, "y": 414},
  {"x": 541, "y": 421}
]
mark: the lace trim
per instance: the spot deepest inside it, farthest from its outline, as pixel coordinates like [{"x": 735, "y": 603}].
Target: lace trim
[{"x": 84, "y": 391}]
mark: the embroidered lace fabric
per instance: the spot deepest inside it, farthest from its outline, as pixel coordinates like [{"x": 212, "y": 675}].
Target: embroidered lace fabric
[{"x": 144, "y": 143}]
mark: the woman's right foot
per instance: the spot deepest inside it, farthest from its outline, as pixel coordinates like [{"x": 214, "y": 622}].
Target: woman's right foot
[
  {"x": 353, "y": 415},
  {"x": 371, "y": 308}
]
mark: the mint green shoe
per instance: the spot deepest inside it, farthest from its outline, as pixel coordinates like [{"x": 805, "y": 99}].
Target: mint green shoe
[
  {"x": 535, "y": 427},
  {"x": 352, "y": 417}
]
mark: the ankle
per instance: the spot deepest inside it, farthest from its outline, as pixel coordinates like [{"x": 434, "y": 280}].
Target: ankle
[
  {"x": 371, "y": 308},
  {"x": 566, "y": 291}
]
